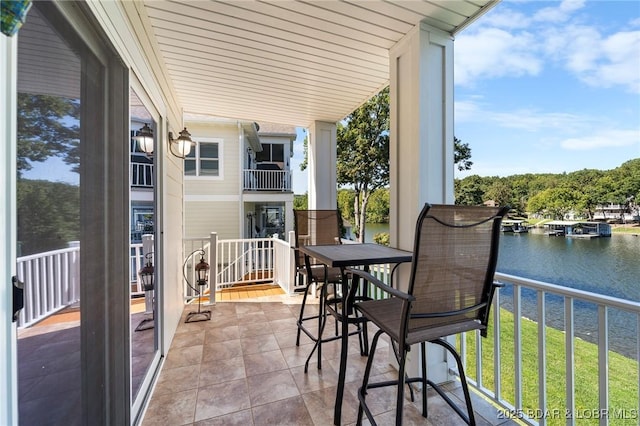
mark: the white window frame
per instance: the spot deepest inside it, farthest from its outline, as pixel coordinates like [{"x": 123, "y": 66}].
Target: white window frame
[{"x": 196, "y": 147}]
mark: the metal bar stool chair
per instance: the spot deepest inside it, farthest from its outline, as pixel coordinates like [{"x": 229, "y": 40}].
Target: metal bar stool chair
[{"x": 450, "y": 291}]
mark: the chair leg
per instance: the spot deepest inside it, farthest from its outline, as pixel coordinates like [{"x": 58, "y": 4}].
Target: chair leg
[
  {"x": 362, "y": 392},
  {"x": 301, "y": 316},
  {"x": 423, "y": 348},
  {"x": 322, "y": 321},
  {"x": 401, "y": 377},
  {"x": 463, "y": 381}
]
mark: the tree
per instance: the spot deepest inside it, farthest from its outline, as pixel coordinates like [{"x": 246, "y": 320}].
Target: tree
[
  {"x": 47, "y": 127},
  {"x": 378, "y": 208},
  {"x": 461, "y": 155},
  {"x": 363, "y": 154},
  {"x": 470, "y": 190},
  {"x": 300, "y": 202},
  {"x": 500, "y": 192},
  {"x": 48, "y": 215}
]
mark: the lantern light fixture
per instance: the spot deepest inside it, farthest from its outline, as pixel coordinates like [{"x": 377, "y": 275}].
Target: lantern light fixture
[
  {"x": 180, "y": 147},
  {"x": 144, "y": 137},
  {"x": 146, "y": 274},
  {"x": 202, "y": 278}
]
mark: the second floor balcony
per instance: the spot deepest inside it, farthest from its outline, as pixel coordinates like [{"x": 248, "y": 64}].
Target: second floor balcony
[{"x": 266, "y": 177}]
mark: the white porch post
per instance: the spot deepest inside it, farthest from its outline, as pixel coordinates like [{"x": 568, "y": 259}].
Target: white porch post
[
  {"x": 288, "y": 217},
  {"x": 421, "y": 145},
  {"x": 322, "y": 165},
  {"x": 213, "y": 267}
]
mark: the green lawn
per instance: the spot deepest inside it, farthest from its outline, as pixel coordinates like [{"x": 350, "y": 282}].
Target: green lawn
[
  {"x": 623, "y": 374},
  {"x": 626, "y": 230}
]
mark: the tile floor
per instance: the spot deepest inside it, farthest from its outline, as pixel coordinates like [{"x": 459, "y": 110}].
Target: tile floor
[{"x": 243, "y": 368}]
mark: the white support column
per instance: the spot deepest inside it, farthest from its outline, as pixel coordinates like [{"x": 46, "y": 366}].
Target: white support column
[
  {"x": 322, "y": 165},
  {"x": 421, "y": 145},
  {"x": 288, "y": 217}
]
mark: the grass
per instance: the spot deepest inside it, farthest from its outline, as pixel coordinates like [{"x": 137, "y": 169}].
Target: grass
[
  {"x": 623, "y": 374},
  {"x": 625, "y": 230}
]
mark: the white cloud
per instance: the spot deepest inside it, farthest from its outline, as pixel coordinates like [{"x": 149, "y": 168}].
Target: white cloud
[
  {"x": 604, "y": 139},
  {"x": 558, "y": 14},
  {"x": 492, "y": 52},
  {"x": 596, "y": 60},
  {"x": 509, "y": 43},
  {"x": 528, "y": 120}
]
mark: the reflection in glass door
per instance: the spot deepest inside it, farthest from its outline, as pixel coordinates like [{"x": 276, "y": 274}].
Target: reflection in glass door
[
  {"x": 143, "y": 291},
  {"x": 48, "y": 216}
]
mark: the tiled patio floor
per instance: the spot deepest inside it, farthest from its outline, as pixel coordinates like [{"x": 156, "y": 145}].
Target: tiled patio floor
[{"x": 242, "y": 368}]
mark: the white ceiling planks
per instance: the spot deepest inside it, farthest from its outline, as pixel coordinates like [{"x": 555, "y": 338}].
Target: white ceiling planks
[{"x": 290, "y": 62}]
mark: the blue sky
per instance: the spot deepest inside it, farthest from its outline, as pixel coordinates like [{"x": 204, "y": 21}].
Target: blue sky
[{"x": 545, "y": 86}]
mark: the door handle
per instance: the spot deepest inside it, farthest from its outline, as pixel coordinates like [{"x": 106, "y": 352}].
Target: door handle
[{"x": 18, "y": 297}]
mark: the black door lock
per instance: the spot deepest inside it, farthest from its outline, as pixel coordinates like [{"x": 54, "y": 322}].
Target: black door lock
[{"x": 18, "y": 297}]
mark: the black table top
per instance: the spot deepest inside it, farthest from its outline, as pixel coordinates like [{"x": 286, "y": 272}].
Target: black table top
[{"x": 342, "y": 255}]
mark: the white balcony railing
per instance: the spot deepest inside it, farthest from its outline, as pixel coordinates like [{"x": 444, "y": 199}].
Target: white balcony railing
[
  {"x": 266, "y": 180},
  {"x": 610, "y": 323},
  {"x": 51, "y": 282},
  {"x": 141, "y": 175}
]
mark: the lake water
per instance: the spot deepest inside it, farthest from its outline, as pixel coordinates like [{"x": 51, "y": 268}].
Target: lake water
[{"x": 609, "y": 266}]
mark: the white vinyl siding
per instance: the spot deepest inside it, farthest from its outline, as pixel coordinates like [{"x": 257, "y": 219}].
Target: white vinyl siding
[{"x": 203, "y": 218}]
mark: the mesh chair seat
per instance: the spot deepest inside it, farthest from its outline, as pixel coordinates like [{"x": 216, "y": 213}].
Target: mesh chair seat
[
  {"x": 387, "y": 314},
  {"x": 449, "y": 292}
]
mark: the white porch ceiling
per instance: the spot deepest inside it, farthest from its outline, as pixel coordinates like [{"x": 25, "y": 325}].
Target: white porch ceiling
[{"x": 289, "y": 62}]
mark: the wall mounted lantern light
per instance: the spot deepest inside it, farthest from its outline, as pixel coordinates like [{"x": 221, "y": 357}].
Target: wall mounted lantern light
[
  {"x": 180, "y": 147},
  {"x": 144, "y": 137}
]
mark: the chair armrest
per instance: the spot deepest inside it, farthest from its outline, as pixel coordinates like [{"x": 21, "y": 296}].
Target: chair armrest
[{"x": 375, "y": 281}]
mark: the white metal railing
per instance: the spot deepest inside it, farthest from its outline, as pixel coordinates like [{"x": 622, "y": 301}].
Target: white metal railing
[
  {"x": 244, "y": 261},
  {"x": 51, "y": 283},
  {"x": 238, "y": 261},
  {"x": 605, "y": 307},
  {"x": 136, "y": 262},
  {"x": 266, "y": 180}
]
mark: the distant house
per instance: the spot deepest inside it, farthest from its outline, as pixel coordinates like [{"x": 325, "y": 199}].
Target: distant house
[
  {"x": 616, "y": 212},
  {"x": 238, "y": 179}
]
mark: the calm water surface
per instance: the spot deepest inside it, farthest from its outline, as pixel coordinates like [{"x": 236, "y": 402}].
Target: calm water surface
[{"x": 609, "y": 266}]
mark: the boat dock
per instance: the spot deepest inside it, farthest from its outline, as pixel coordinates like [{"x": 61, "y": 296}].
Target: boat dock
[{"x": 577, "y": 229}]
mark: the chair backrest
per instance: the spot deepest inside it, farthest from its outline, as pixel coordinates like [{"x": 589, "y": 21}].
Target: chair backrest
[
  {"x": 315, "y": 227},
  {"x": 455, "y": 256}
]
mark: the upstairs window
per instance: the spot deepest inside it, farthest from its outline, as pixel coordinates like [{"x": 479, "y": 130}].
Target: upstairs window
[
  {"x": 271, "y": 153},
  {"x": 204, "y": 159}
]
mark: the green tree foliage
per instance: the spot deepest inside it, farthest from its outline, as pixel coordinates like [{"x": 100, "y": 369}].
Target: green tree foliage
[
  {"x": 48, "y": 215},
  {"x": 301, "y": 202},
  {"x": 363, "y": 161},
  {"x": 346, "y": 198},
  {"x": 378, "y": 207},
  {"x": 554, "y": 195},
  {"x": 363, "y": 154},
  {"x": 470, "y": 191},
  {"x": 47, "y": 127},
  {"x": 461, "y": 155}
]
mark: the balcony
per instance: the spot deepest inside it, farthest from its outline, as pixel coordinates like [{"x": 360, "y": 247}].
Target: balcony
[
  {"x": 269, "y": 177},
  {"x": 243, "y": 365}
]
